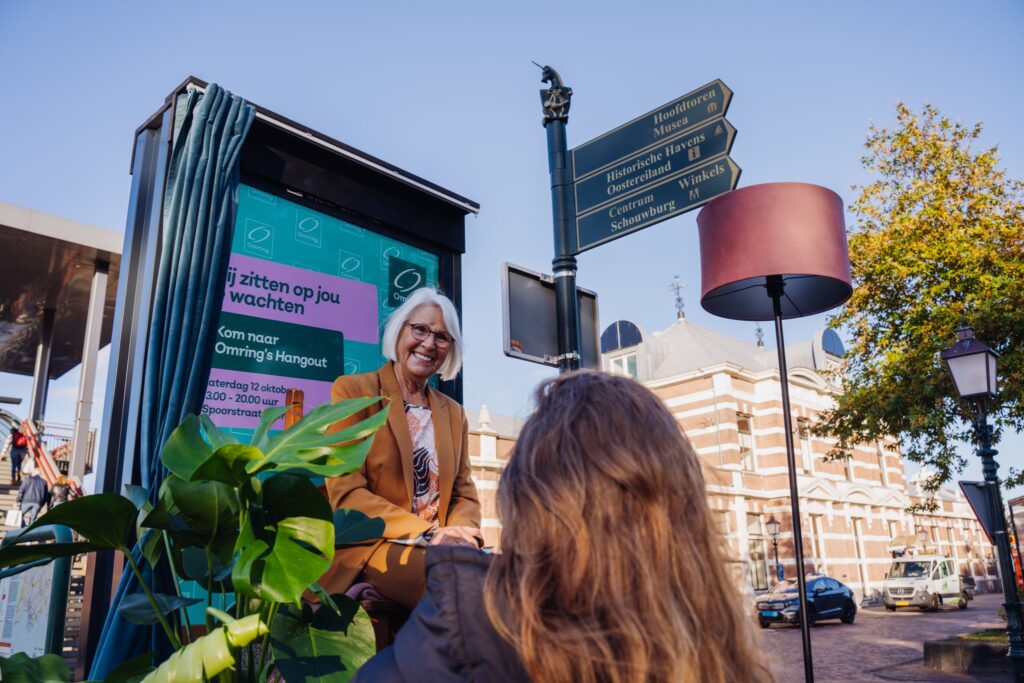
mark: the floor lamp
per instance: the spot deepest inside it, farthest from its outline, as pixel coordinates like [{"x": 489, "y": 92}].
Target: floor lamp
[{"x": 773, "y": 252}]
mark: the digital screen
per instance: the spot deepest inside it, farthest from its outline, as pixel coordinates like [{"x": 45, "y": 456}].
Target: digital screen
[{"x": 305, "y": 300}]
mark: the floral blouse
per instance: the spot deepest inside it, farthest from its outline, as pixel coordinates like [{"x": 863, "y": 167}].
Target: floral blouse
[{"x": 425, "y": 482}]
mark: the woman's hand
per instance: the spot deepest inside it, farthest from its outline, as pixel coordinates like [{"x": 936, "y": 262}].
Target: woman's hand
[{"x": 456, "y": 535}]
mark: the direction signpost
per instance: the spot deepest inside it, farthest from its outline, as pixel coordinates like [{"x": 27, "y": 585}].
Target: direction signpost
[{"x": 671, "y": 160}]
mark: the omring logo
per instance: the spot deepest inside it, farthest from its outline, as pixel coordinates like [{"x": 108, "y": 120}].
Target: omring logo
[
  {"x": 262, "y": 196},
  {"x": 259, "y": 238},
  {"x": 350, "y": 265},
  {"x": 388, "y": 254},
  {"x": 351, "y": 367},
  {"x": 308, "y": 229},
  {"x": 404, "y": 277}
]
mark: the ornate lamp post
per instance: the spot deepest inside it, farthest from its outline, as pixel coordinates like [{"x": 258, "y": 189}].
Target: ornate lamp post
[
  {"x": 973, "y": 367},
  {"x": 773, "y": 530}
]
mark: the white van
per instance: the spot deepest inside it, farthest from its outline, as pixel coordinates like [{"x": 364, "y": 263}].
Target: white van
[{"x": 923, "y": 581}]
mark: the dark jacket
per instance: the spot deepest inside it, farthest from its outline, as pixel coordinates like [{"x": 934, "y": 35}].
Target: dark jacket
[
  {"x": 33, "y": 490},
  {"x": 448, "y": 638}
]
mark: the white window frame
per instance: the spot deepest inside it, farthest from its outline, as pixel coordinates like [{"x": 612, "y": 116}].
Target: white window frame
[
  {"x": 619, "y": 365},
  {"x": 748, "y": 463}
]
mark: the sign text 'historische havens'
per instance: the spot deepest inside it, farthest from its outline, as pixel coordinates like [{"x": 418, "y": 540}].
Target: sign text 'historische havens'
[{"x": 666, "y": 162}]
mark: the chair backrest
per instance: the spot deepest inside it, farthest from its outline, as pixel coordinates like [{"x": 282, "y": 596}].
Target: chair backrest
[{"x": 293, "y": 398}]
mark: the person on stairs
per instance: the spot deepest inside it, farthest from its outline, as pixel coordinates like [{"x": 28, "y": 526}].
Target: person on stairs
[{"x": 33, "y": 494}]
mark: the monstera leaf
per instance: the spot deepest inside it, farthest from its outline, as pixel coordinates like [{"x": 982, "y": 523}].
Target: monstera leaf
[
  {"x": 310, "y": 432},
  {"x": 137, "y": 609},
  {"x": 105, "y": 520},
  {"x": 322, "y": 647},
  {"x": 352, "y": 527},
  {"x": 287, "y": 541},
  {"x": 186, "y": 449},
  {"x": 20, "y": 668}
]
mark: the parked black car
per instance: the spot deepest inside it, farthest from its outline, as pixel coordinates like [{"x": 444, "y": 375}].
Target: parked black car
[{"x": 826, "y": 599}]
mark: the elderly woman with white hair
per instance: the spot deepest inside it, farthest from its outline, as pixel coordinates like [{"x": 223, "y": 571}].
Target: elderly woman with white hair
[{"x": 416, "y": 477}]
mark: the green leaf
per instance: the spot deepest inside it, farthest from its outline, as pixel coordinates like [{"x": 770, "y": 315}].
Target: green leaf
[
  {"x": 309, "y": 431},
  {"x": 289, "y": 495},
  {"x": 20, "y": 668},
  {"x": 216, "y": 437},
  {"x": 185, "y": 449},
  {"x": 137, "y": 609},
  {"x": 14, "y": 555},
  {"x": 324, "y": 461},
  {"x": 194, "y": 566},
  {"x": 322, "y": 647},
  {"x": 289, "y": 545},
  {"x": 227, "y": 464},
  {"x": 131, "y": 671},
  {"x": 153, "y": 546},
  {"x": 140, "y": 499},
  {"x": 206, "y": 657},
  {"x": 208, "y": 509},
  {"x": 325, "y": 599},
  {"x": 260, "y": 438},
  {"x": 352, "y": 527},
  {"x": 138, "y": 495},
  {"x": 106, "y": 520}
]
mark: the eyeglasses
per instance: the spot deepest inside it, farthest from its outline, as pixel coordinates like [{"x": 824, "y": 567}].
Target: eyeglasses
[{"x": 420, "y": 332}]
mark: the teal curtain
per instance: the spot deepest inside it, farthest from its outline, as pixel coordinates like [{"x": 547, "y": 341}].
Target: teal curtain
[{"x": 200, "y": 204}]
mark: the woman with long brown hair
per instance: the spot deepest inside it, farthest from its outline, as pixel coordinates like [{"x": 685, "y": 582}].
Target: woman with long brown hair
[{"x": 611, "y": 570}]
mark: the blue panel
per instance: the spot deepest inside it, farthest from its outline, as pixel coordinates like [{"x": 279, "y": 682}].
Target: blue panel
[
  {"x": 620, "y": 335},
  {"x": 831, "y": 343},
  {"x": 629, "y": 334}
]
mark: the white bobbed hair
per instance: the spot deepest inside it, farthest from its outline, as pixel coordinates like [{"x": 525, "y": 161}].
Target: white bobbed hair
[{"x": 397, "y": 320}]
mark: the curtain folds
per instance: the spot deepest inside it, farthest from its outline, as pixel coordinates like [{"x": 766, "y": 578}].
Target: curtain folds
[{"x": 200, "y": 203}]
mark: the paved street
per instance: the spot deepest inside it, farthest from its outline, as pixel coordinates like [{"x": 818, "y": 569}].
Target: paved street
[{"x": 879, "y": 646}]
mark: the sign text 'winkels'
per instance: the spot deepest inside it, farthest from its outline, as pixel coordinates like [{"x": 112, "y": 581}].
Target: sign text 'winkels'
[{"x": 657, "y": 201}]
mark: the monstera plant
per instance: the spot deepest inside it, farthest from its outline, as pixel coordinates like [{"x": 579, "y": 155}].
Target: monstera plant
[{"x": 248, "y": 524}]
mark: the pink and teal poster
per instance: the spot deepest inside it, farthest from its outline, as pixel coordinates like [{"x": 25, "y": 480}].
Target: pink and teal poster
[{"x": 306, "y": 297}]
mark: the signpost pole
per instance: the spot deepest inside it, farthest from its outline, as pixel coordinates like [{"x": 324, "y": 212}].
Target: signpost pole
[{"x": 555, "y": 101}]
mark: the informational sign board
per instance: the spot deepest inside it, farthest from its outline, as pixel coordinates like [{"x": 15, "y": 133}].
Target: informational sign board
[
  {"x": 529, "y": 320},
  {"x": 25, "y": 609},
  {"x": 667, "y": 162},
  {"x": 305, "y": 299}
]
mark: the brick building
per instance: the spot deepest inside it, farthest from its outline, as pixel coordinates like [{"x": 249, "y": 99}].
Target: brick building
[{"x": 726, "y": 396}]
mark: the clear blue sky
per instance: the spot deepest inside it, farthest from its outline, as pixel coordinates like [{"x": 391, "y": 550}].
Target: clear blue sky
[{"x": 446, "y": 90}]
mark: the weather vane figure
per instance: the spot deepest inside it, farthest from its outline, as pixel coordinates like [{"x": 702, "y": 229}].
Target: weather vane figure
[{"x": 677, "y": 288}]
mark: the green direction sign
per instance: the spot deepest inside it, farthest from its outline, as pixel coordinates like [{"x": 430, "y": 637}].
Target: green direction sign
[
  {"x": 679, "y": 115},
  {"x": 671, "y": 156},
  {"x": 674, "y": 194}
]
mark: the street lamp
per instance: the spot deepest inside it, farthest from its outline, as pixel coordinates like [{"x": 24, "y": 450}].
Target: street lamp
[
  {"x": 773, "y": 530},
  {"x": 973, "y": 367}
]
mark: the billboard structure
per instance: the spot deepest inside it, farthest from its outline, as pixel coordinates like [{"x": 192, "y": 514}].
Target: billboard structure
[{"x": 327, "y": 241}]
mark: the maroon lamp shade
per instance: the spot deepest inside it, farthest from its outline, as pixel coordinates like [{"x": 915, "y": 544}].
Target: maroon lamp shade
[{"x": 792, "y": 230}]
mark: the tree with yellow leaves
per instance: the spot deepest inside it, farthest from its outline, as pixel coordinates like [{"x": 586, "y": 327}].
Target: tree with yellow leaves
[{"x": 938, "y": 242}]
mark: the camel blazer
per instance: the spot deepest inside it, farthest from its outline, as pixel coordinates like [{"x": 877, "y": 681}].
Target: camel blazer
[{"x": 383, "y": 486}]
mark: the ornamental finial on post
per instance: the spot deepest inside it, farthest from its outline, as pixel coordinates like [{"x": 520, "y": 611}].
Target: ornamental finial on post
[{"x": 556, "y": 99}]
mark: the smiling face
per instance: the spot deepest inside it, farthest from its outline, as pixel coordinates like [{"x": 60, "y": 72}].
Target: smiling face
[{"x": 421, "y": 359}]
